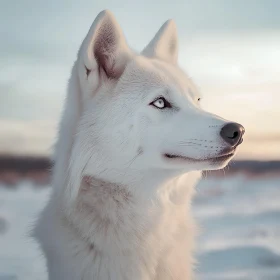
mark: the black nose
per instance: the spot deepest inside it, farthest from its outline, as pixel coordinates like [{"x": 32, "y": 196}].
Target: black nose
[{"x": 232, "y": 133}]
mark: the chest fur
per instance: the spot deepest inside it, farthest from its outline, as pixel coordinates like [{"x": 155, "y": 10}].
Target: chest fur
[
  {"x": 112, "y": 234},
  {"x": 121, "y": 237}
]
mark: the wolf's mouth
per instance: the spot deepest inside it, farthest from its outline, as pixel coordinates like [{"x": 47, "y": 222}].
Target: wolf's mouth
[{"x": 217, "y": 158}]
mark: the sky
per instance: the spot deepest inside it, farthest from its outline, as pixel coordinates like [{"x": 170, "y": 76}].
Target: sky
[{"x": 231, "y": 49}]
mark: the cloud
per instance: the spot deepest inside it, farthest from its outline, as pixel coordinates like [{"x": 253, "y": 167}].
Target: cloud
[
  {"x": 26, "y": 137},
  {"x": 233, "y": 59}
]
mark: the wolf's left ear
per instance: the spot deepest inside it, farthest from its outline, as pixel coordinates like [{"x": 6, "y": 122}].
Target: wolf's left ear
[
  {"x": 105, "y": 47},
  {"x": 165, "y": 43}
]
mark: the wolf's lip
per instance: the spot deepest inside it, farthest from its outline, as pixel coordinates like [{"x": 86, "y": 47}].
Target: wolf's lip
[{"x": 217, "y": 158}]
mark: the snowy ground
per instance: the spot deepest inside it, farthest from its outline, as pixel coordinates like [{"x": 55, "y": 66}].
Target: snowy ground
[{"x": 240, "y": 218}]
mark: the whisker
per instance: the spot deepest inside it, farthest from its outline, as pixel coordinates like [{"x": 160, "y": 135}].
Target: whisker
[{"x": 187, "y": 145}]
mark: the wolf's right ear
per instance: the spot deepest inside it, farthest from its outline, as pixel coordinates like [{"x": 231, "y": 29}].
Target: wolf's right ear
[
  {"x": 105, "y": 48},
  {"x": 164, "y": 45}
]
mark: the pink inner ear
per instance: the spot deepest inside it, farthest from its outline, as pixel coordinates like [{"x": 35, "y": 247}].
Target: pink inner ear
[
  {"x": 110, "y": 50},
  {"x": 105, "y": 50},
  {"x": 87, "y": 180}
]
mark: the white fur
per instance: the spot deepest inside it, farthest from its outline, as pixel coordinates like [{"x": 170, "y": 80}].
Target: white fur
[{"x": 120, "y": 209}]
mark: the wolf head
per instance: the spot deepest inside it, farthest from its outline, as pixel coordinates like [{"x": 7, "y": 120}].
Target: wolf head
[{"x": 141, "y": 111}]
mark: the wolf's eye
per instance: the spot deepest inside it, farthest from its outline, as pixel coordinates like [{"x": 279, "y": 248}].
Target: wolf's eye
[
  {"x": 198, "y": 99},
  {"x": 161, "y": 103}
]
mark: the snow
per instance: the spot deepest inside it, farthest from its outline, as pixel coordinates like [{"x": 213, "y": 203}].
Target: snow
[{"x": 239, "y": 217}]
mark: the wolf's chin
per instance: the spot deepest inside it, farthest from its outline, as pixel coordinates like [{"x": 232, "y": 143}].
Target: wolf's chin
[{"x": 216, "y": 165}]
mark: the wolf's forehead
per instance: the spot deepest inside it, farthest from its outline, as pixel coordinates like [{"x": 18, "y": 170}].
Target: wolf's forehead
[
  {"x": 175, "y": 76},
  {"x": 157, "y": 73}
]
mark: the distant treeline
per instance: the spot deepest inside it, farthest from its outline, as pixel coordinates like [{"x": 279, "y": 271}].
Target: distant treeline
[
  {"x": 255, "y": 166},
  {"x": 23, "y": 164}
]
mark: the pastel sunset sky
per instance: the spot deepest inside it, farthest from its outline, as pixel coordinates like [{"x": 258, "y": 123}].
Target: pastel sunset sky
[{"x": 231, "y": 49}]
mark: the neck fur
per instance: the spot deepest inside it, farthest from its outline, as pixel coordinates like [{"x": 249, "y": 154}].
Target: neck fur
[{"x": 110, "y": 227}]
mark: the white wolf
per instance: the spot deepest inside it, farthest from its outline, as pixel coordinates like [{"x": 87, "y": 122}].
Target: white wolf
[{"x": 132, "y": 143}]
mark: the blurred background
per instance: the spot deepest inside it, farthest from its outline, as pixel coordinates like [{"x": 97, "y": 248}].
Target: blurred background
[{"x": 231, "y": 49}]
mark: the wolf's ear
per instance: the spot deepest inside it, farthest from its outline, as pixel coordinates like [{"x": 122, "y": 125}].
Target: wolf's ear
[
  {"x": 165, "y": 43},
  {"x": 105, "y": 47}
]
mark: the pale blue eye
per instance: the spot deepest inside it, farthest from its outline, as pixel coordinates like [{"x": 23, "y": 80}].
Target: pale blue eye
[{"x": 161, "y": 103}]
